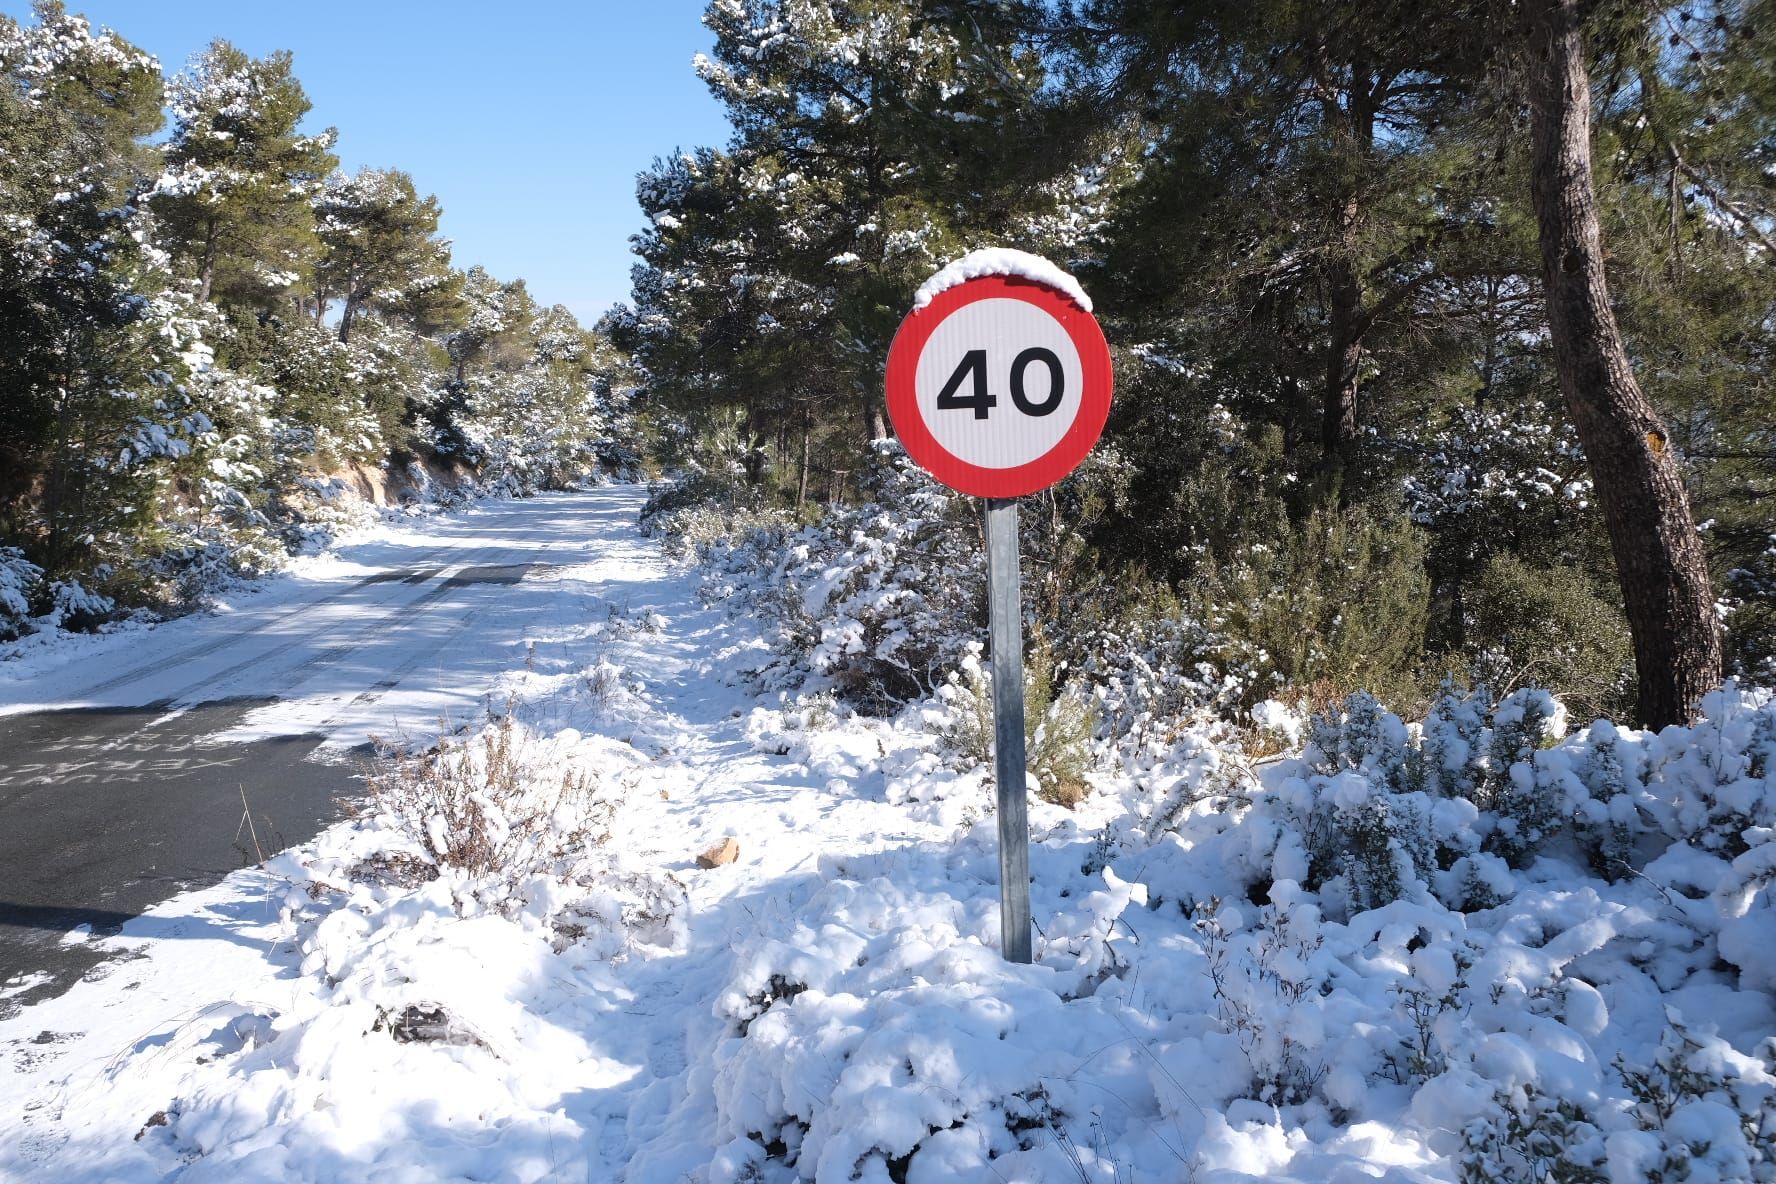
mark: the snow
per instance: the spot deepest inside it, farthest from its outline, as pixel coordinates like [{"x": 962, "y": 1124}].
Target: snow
[
  {"x": 1001, "y": 261},
  {"x": 1207, "y": 1001}
]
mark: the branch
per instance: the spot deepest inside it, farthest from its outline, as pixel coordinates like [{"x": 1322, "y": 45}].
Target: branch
[{"x": 1745, "y": 220}]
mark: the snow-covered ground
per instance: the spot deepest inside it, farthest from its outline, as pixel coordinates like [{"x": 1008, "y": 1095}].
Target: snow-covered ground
[{"x": 830, "y": 1006}]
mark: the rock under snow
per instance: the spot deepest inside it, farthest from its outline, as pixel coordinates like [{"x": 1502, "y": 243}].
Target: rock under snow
[{"x": 726, "y": 851}]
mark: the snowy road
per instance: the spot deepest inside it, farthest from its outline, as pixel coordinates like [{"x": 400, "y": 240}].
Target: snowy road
[{"x": 128, "y": 761}]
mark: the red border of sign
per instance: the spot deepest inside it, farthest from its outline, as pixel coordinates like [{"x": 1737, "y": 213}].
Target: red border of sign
[{"x": 1051, "y": 466}]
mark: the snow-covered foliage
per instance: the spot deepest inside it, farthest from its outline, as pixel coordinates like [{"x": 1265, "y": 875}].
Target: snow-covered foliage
[
  {"x": 1484, "y": 945},
  {"x": 883, "y": 602},
  {"x": 483, "y": 809},
  {"x": 1478, "y": 941},
  {"x": 1318, "y": 967},
  {"x": 19, "y": 578},
  {"x": 879, "y": 600},
  {"x": 178, "y": 398}
]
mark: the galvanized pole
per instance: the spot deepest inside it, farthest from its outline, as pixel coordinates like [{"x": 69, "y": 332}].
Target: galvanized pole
[{"x": 1006, "y": 634}]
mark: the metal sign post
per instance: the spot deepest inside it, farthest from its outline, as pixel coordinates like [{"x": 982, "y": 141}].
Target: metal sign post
[
  {"x": 1005, "y": 614},
  {"x": 998, "y": 385}
]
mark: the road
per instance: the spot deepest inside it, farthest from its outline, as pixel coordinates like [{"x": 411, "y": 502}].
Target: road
[{"x": 141, "y": 764}]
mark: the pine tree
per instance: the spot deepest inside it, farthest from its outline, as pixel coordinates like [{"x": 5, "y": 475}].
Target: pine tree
[
  {"x": 235, "y": 199},
  {"x": 381, "y": 248},
  {"x": 1659, "y": 558},
  {"x": 74, "y": 107},
  {"x": 1310, "y": 201},
  {"x": 868, "y": 131},
  {"x": 1685, "y": 138}
]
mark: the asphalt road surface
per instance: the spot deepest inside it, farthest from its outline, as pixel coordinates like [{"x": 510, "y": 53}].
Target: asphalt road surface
[{"x": 147, "y": 763}]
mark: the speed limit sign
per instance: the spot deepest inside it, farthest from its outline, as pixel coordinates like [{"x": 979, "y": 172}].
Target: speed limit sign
[{"x": 999, "y": 386}]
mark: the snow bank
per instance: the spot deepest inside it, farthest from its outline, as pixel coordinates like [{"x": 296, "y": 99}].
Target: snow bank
[{"x": 1001, "y": 261}]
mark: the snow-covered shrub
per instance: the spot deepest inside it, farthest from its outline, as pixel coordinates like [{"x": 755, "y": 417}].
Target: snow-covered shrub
[
  {"x": 1363, "y": 737},
  {"x": 19, "y": 578},
  {"x": 1392, "y": 810},
  {"x": 530, "y": 429},
  {"x": 898, "y": 588},
  {"x": 886, "y": 1039},
  {"x": 879, "y": 600},
  {"x": 1724, "y": 773},
  {"x": 483, "y": 809},
  {"x": 314, "y": 512},
  {"x": 218, "y": 536},
  {"x": 1703, "y": 1111},
  {"x": 1608, "y": 822},
  {"x": 1268, "y": 981},
  {"x": 73, "y": 606},
  {"x": 1154, "y": 669},
  {"x": 1691, "y": 1108},
  {"x": 1527, "y": 807},
  {"x": 698, "y": 506},
  {"x": 1528, "y": 1136}
]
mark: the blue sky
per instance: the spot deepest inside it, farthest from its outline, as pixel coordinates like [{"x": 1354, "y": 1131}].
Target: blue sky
[{"x": 528, "y": 118}]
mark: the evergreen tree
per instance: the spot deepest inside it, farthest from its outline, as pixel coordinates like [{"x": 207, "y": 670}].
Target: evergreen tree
[
  {"x": 1659, "y": 559},
  {"x": 1312, "y": 205},
  {"x": 74, "y": 107},
  {"x": 235, "y": 199},
  {"x": 867, "y": 135},
  {"x": 381, "y": 248},
  {"x": 1685, "y": 138}
]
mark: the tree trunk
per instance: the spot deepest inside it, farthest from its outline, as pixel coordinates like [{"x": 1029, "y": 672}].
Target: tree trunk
[
  {"x": 802, "y": 476},
  {"x": 345, "y": 318},
  {"x": 1346, "y": 318},
  {"x": 1338, "y": 425},
  {"x": 752, "y": 440},
  {"x": 209, "y": 260},
  {"x": 875, "y": 423},
  {"x": 1659, "y": 559}
]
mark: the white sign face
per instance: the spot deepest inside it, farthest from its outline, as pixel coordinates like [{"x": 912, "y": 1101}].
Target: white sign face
[{"x": 999, "y": 383}]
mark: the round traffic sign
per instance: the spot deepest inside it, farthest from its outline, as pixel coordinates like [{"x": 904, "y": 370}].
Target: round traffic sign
[{"x": 1000, "y": 386}]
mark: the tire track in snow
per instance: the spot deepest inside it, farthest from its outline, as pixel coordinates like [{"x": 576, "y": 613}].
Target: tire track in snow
[{"x": 204, "y": 649}]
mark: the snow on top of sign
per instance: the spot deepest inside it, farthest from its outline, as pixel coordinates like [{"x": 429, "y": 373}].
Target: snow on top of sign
[{"x": 1001, "y": 261}]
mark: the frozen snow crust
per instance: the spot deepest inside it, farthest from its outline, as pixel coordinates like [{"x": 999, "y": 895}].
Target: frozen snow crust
[
  {"x": 1001, "y": 261},
  {"x": 1477, "y": 947}
]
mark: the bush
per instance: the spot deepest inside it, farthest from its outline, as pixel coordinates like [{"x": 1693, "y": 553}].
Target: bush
[
  {"x": 1340, "y": 597},
  {"x": 1058, "y": 729},
  {"x": 1548, "y": 627},
  {"x": 1152, "y": 667},
  {"x": 484, "y": 809},
  {"x": 19, "y": 578},
  {"x": 1703, "y": 1110},
  {"x": 879, "y": 600},
  {"x": 71, "y": 605}
]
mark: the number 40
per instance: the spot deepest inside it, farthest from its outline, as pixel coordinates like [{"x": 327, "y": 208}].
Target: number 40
[{"x": 980, "y": 400}]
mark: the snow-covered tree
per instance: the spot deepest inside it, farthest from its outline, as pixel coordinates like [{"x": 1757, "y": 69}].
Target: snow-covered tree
[
  {"x": 381, "y": 249},
  {"x": 235, "y": 198},
  {"x": 868, "y": 148}
]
